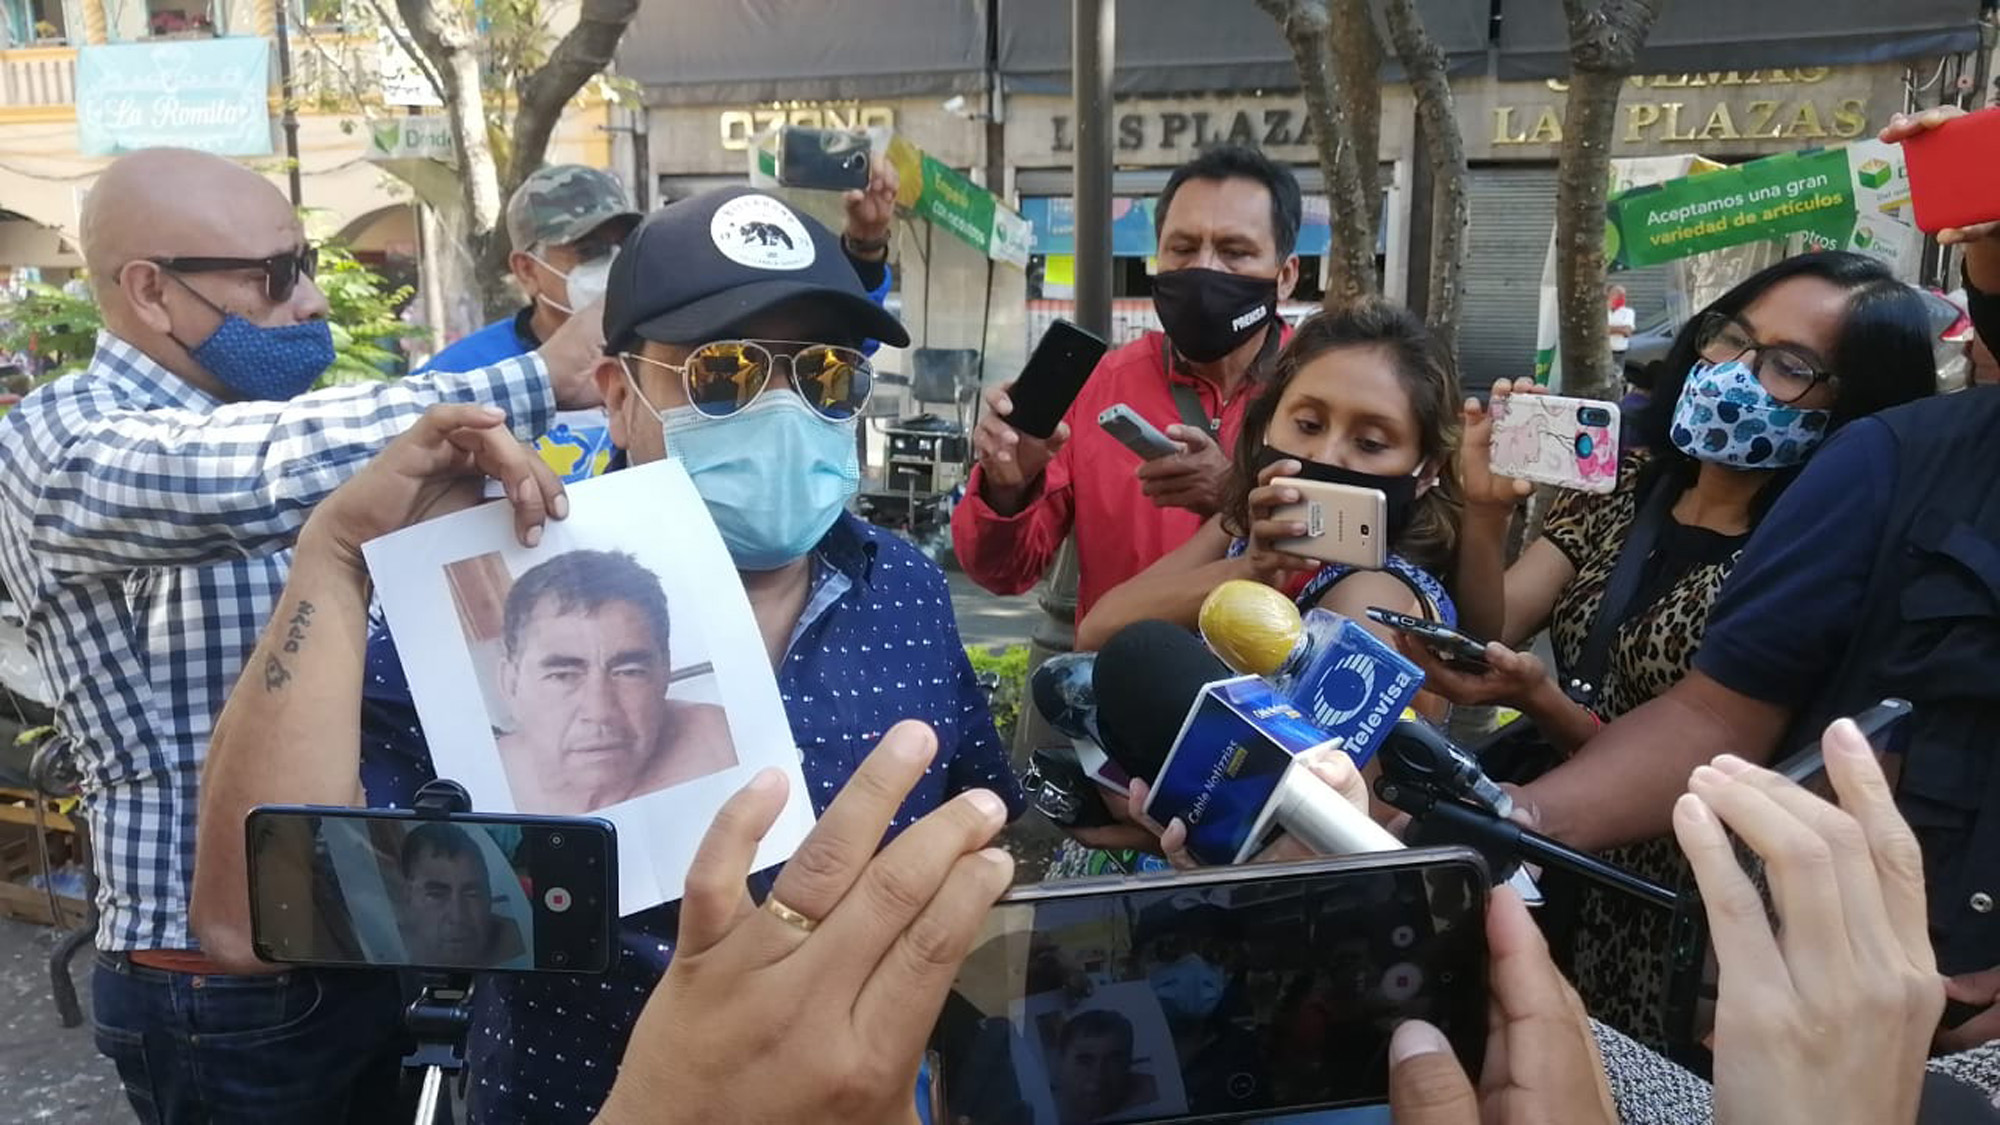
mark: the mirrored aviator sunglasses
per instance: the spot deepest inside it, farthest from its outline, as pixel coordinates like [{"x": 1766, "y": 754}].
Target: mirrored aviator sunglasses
[{"x": 725, "y": 376}]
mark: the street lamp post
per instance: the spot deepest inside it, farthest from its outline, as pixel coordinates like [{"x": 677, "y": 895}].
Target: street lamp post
[
  {"x": 288, "y": 106},
  {"x": 1093, "y": 26}
]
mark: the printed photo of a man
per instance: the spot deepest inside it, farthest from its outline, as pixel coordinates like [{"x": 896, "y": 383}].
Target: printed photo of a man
[
  {"x": 584, "y": 675},
  {"x": 448, "y": 912}
]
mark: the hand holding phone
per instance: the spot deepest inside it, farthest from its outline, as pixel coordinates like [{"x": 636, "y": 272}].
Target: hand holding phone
[
  {"x": 1137, "y": 434},
  {"x": 1542, "y": 1063},
  {"x": 1557, "y": 440},
  {"x": 1848, "y": 949},
  {"x": 1453, "y": 647},
  {"x": 823, "y": 159},
  {"x": 1954, "y": 169},
  {"x": 1054, "y": 376},
  {"x": 1343, "y": 523},
  {"x": 1009, "y": 461},
  {"x": 1021, "y": 428},
  {"x": 1376, "y": 938}
]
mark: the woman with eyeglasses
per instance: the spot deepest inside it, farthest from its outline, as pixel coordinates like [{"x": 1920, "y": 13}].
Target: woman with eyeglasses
[{"x": 1752, "y": 386}]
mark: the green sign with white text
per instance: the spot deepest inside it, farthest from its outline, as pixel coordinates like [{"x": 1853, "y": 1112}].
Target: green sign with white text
[{"x": 1854, "y": 198}]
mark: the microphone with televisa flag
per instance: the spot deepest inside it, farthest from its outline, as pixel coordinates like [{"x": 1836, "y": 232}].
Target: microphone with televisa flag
[{"x": 1343, "y": 678}]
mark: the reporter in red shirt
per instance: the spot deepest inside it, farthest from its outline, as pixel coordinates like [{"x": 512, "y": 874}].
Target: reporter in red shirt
[{"x": 1227, "y": 224}]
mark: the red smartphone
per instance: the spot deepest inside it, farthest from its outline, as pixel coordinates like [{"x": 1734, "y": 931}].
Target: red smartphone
[{"x": 1955, "y": 172}]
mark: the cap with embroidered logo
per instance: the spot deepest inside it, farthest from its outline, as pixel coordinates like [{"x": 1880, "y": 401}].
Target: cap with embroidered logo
[{"x": 699, "y": 268}]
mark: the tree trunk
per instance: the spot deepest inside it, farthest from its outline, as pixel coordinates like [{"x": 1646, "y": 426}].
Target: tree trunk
[
  {"x": 1351, "y": 258},
  {"x": 1444, "y": 150},
  {"x": 449, "y": 42},
  {"x": 1357, "y": 63},
  {"x": 1604, "y": 41}
]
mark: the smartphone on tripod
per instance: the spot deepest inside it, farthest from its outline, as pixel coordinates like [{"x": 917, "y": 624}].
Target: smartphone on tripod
[{"x": 459, "y": 892}]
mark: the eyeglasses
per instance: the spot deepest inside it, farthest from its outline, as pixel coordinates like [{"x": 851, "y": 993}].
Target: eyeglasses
[
  {"x": 725, "y": 376},
  {"x": 1784, "y": 371},
  {"x": 281, "y": 271}
]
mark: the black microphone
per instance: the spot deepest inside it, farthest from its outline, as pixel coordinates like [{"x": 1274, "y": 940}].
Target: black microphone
[
  {"x": 1419, "y": 753},
  {"x": 1218, "y": 749},
  {"x": 1064, "y": 694}
]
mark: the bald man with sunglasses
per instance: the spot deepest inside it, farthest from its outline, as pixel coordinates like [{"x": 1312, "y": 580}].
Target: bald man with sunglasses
[{"x": 148, "y": 505}]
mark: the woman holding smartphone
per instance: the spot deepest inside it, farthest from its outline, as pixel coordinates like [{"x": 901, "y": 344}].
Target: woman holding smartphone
[
  {"x": 1363, "y": 396},
  {"x": 1751, "y": 387}
]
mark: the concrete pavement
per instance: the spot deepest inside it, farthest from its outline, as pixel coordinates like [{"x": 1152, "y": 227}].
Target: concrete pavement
[{"x": 48, "y": 1072}]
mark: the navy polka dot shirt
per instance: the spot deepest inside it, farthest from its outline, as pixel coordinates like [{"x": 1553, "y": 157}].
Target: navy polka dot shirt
[{"x": 876, "y": 644}]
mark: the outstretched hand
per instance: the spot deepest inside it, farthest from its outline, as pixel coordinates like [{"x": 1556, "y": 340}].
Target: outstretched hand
[
  {"x": 1851, "y": 950},
  {"x": 438, "y": 466},
  {"x": 838, "y": 1009}
]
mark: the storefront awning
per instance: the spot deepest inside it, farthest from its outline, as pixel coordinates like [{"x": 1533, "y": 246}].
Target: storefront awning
[
  {"x": 1699, "y": 36},
  {"x": 756, "y": 51},
  {"x": 1053, "y": 218},
  {"x": 1195, "y": 46}
]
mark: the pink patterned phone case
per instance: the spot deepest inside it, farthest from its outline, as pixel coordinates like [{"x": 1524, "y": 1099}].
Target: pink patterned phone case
[{"x": 1554, "y": 439}]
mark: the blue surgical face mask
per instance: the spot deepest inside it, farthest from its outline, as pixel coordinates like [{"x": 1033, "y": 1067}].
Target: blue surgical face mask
[
  {"x": 1189, "y": 989},
  {"x": 774, "y": 475},
  {"x": 259, "y": 363},
  {"x": 1725, "y": 416}
]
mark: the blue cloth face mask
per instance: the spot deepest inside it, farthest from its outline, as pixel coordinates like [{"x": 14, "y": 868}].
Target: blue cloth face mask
[
  {"x": 1189, "y": 989},
  {"x": 258, "y": 363},
  {"x": 1725, "y": 416},
  {"x": 774, "y": 475}
]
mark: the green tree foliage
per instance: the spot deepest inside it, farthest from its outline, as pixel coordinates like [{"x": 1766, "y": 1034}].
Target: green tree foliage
[
  {"x": 1007, "y": 668},
  {"x": 58, "y": 330}
]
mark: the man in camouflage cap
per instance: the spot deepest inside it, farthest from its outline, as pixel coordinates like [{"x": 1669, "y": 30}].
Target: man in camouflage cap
[{"x": 565, "y": 223}]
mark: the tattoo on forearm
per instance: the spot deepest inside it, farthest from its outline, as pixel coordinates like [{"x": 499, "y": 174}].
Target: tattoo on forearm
[{"x": 276, "y": 675}]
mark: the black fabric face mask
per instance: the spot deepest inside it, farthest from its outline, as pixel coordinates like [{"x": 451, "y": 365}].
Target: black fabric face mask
[
  {"x": 1399, "y": 490},
  {"x": 1210, "y": 313}
]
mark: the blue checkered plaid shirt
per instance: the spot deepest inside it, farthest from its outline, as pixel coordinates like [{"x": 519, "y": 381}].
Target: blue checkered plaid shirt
[{"x": 145, "y": 530}]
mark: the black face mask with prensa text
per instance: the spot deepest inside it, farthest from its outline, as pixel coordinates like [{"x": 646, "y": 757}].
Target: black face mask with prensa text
[{"x": 1210, "y": 313}]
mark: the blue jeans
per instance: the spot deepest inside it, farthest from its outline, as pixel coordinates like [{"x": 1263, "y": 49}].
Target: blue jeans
[{"x": 300, "y": 1048}]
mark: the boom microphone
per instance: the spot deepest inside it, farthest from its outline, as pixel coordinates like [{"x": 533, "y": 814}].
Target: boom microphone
[{"x": 1218, "y": 750}]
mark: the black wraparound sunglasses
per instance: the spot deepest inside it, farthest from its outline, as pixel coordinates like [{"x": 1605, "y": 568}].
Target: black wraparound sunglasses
[{"x": 281, "y": 271}]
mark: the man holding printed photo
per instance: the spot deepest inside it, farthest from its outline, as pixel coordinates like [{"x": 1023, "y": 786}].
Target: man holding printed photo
[{"x": 857, "y": 623}]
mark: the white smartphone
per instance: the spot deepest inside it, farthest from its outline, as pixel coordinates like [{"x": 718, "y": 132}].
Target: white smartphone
[
  {"x": 1137, "y": 434},
  {"x": 1558, "y": 440},
  {"x": 1344, "y": 523}
]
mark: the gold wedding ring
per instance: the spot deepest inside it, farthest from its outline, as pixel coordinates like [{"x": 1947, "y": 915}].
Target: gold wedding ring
[{"x": 789, "y": 916}]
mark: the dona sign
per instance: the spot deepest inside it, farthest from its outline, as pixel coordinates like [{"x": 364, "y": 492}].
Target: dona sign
[{"x": 211, "y": 95}]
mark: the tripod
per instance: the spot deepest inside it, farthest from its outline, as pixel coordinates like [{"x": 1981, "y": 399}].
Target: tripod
[{"x": 442, "y": 1012}]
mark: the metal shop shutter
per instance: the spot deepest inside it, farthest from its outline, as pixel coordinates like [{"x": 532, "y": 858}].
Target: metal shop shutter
[{"x": 1513, "y": 214}]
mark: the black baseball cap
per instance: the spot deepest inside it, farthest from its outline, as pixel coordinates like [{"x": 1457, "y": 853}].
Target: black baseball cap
[{"x": 696, "y": 269}]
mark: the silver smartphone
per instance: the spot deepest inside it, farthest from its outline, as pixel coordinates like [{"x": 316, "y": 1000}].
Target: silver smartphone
[{"x": 1137, "y": 434}]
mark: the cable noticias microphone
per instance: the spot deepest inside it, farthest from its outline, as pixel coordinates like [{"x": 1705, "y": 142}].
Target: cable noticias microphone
[
  {"x": 1344, "y": 678},
  {"x": 1218, "y": 750}
]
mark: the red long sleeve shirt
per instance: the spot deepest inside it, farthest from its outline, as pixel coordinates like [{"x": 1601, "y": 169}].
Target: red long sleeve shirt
[{"x": 1090, "y": 485}]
